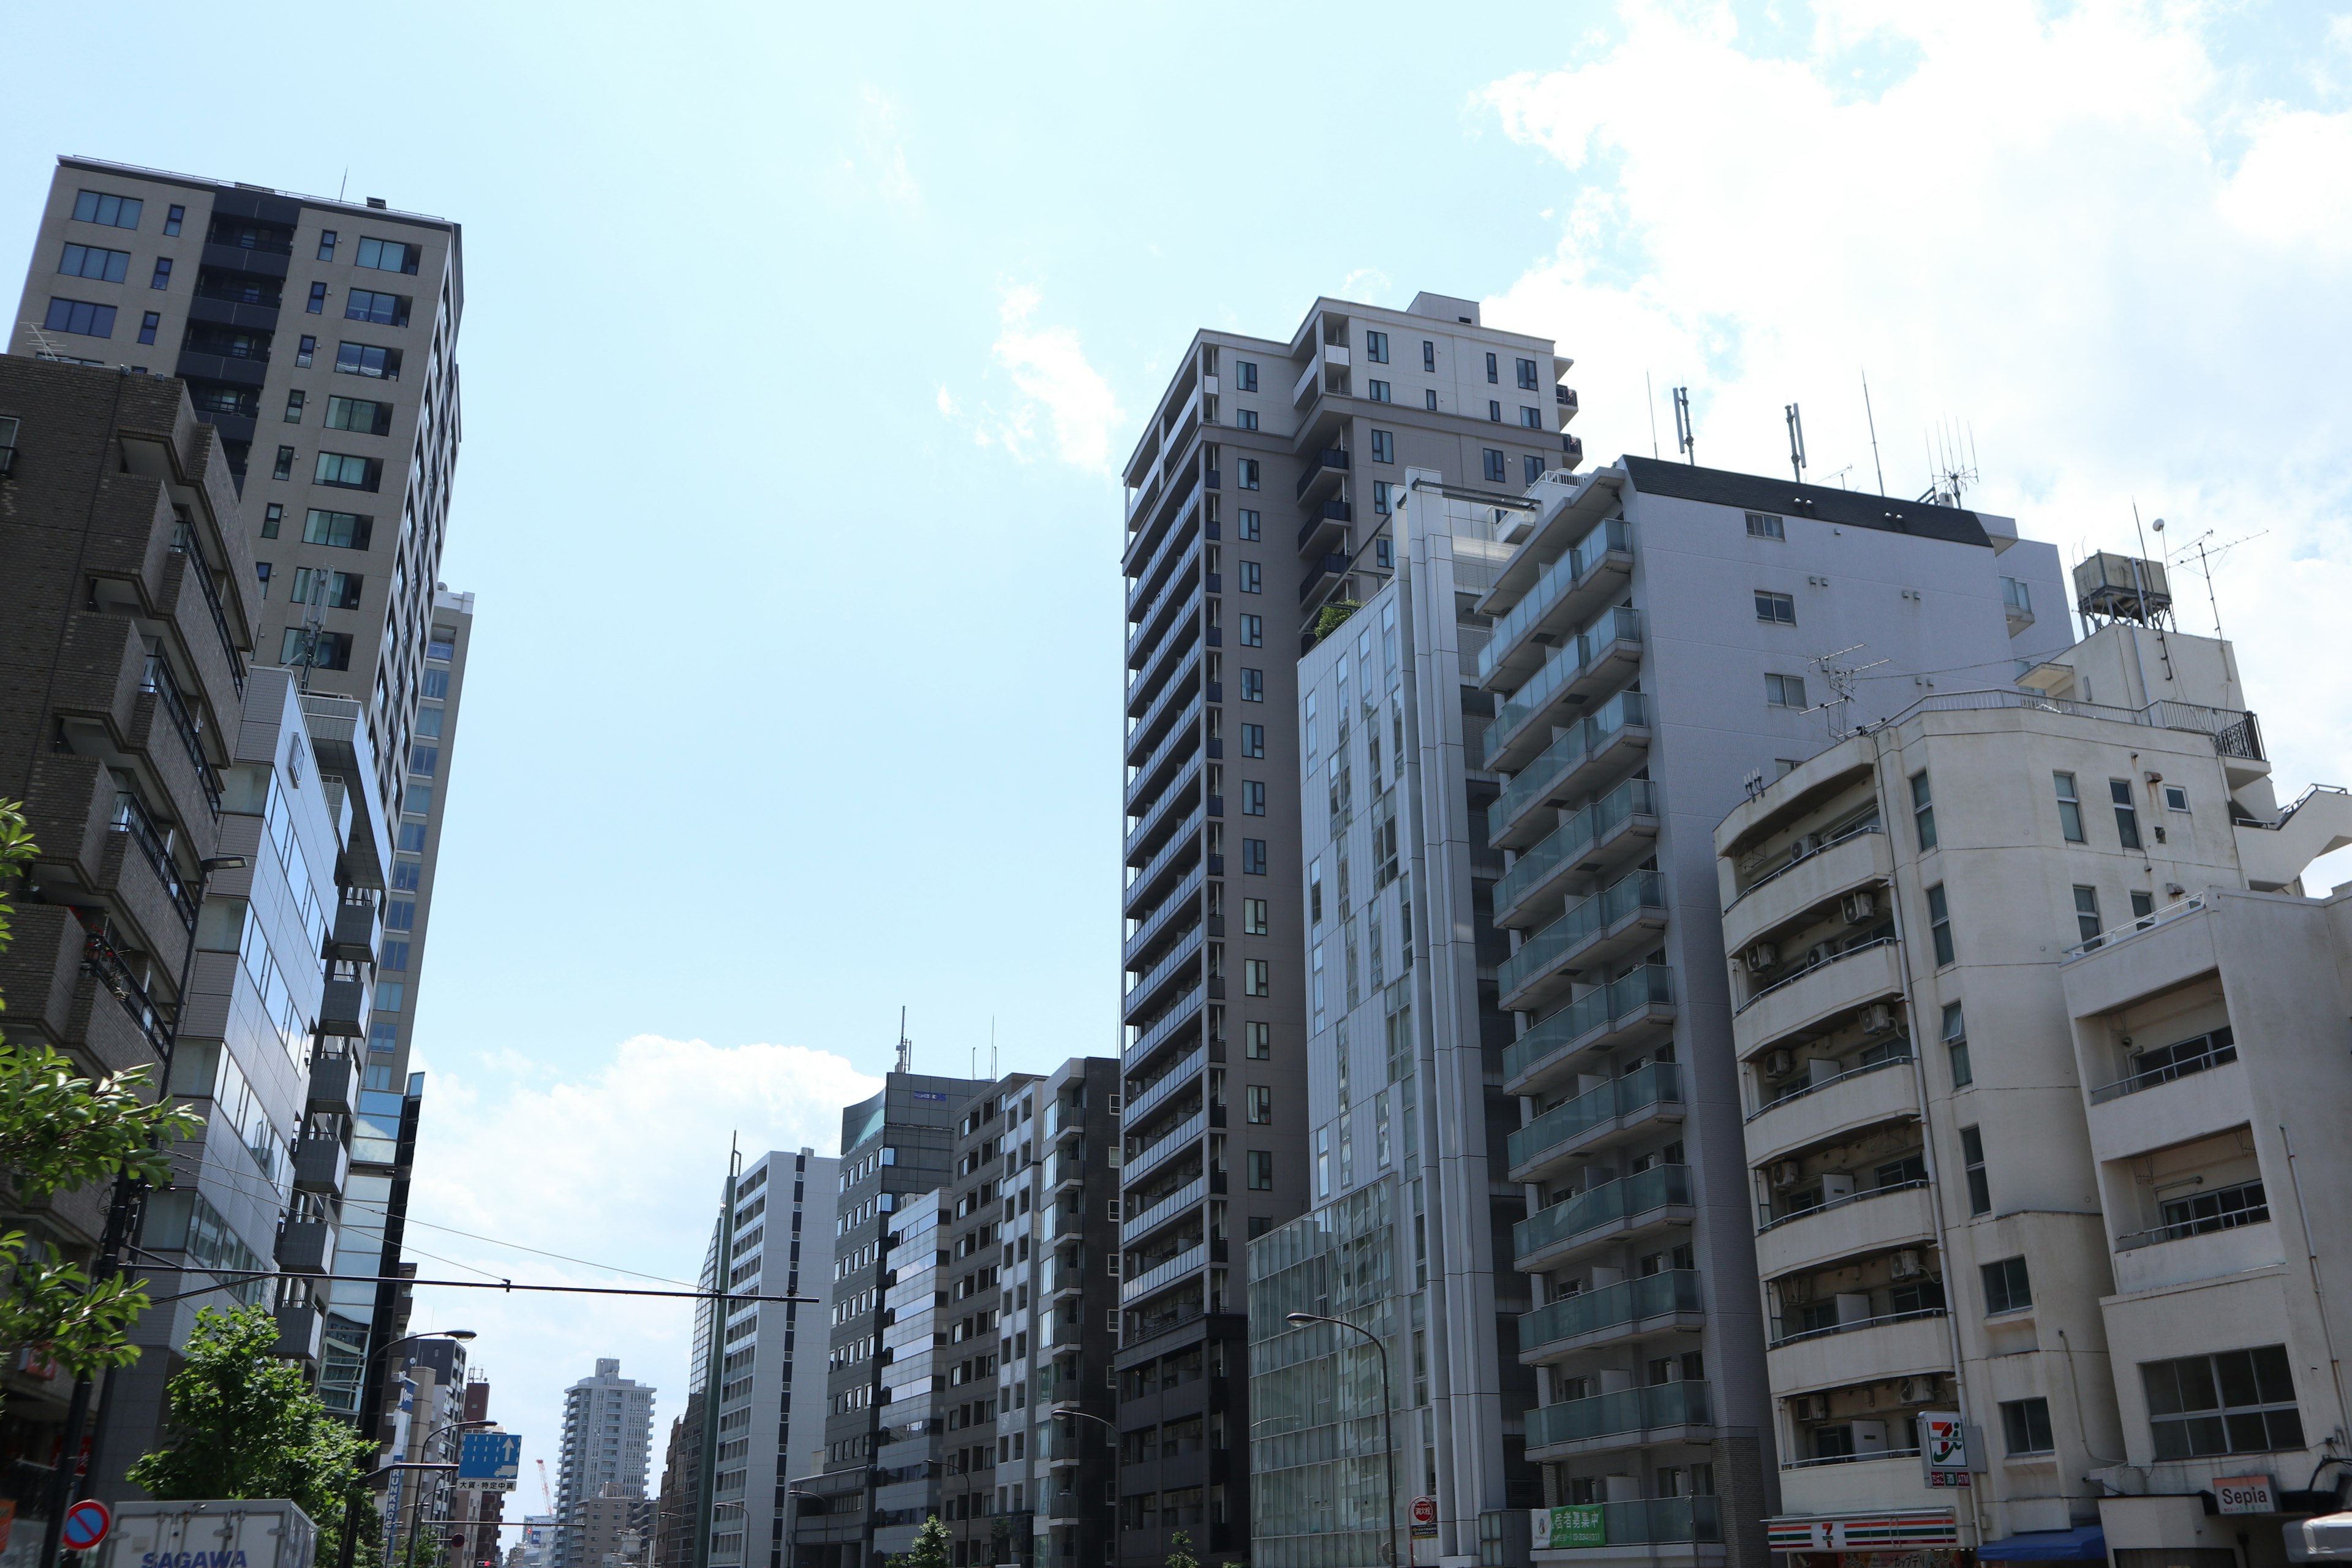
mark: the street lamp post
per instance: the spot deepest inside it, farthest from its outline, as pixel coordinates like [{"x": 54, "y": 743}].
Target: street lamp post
[
  {"x": 415, "y": 1502},
  {"x": 1387, "y": 1415},
  {"x": 370, "y": 1373}
]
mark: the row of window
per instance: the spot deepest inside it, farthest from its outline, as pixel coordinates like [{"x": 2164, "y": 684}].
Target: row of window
[
  {"x": 124, "y": 212},
  {"x": 1494, "y": 463}
]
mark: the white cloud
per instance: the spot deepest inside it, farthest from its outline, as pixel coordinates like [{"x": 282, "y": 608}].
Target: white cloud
[
  {"x": 1059, "y": 395},
  {"x": 876, "y": 162},
  {"x": 620, "y": 1166},
  {"x": 2077, "y": 235}
]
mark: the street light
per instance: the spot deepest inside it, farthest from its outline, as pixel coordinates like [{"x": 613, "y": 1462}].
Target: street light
[
  {"x": 1387, "y": 1415},
  {"x": 369, "y": 1374}
]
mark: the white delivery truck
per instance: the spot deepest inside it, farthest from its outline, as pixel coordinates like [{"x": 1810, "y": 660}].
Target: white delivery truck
[{"x": 259, "y": 1532}]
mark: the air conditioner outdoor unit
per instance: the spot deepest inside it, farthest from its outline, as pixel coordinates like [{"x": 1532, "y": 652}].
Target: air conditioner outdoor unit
[
  {"x": 1859, "y": 907},
  {"x": 1877, "y": 1018},
  {"x": 1761, "y": 957},
  {"x": 1786, "y": 1172},
  {"x": 1812, "y": 1406},
  {"x": 1779, "y": 1063},
  {"x": 1921, "y": 1389},
  {"x": 1907, "y": 1264},
  {"x": 1804, "y": 843},
  {"x": 1821, "y": 953}
]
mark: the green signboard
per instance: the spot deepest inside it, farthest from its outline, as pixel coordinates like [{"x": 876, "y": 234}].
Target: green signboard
[{"x": 1577, "y": 1524}]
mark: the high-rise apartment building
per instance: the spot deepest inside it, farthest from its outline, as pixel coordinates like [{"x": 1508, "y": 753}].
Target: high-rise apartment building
[
  {"x": 2037, "y": 1043},
  {"x": 1225, "y": 584},
  {"x": 774, "y": 1231},
  {"x": 318, "y": 339},
  {"x": 608, "y": 1433},
  {"x": 426, "y": 1427}
]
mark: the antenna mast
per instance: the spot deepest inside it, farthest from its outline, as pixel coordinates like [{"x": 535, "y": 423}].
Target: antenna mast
[
  {"x": 1796, "y": 442},
  {"x": 906, "y": 1046},
  {"x": 1685, "y": 437},
  {"x": 1866, "y": 414},
  {"x": 1651, "y": 396}
]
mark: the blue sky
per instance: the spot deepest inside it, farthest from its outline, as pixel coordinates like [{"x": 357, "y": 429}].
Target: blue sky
[{"x": 803, "y": 346}]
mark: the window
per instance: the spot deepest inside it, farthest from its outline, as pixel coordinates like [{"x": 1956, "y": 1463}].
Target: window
[
  {"x": 1429, "y": 399},
  {"x": 1252, "y": 631},
  {"x": 2086, "y": 915},
  {"x": 1530, "y": 468},
  {"x": 1253, "y": 739},
  {"x": 173, "y": 219},
  {"x": 1384, "y": 553},
  {"x": 2006, "y": 1287},
  {"x": 392, "y": 311},
  {"x": 346, "y": 471},
  {"x": 2070, "y": 808},
  {"x": 346, "y": 529},
  {"x": 1494, "y": 411},
  {"x": 92, "y": 262},
  {"x": 1381, "y": 497},
  {"x": 1261, "y": 1103},
  {"x": 317, "y": 306},
  {"x": 284, "y": 468},
  {"x": 436, "y": 681},
  {"x": 261, "y": 573},
  {"x": 1492, "y": 375},
  {"x": 335, "y": 590},
  {"x": 362, "y": 414},
  {"x": 2025, "y": 1425},
  {"x": 272, "y": 518},
  {"x": 1261, "y": 1170},
  {"x": 1955, "y": 1042},
  {"x": 1252, "y": 578},
  {"x": 1257, "y": 1041},
  {"x": 1939, "y": 925},
  {"x": 332, "y": 650},
  {"x": 1252, "y": 526},
  {"x": 1764, "y": 525},
  {"x": 1495, "y": 468},
  {"x": 115, "y": 212},
  {"x": 1530, "y": 418},
  {"x": 2143, "y": 905},
  {"x": 1245, "y": 376},
  {"x": 1252, "y": 685},
  {"x": 1784, "y": 691},
  {"x": 304, "y": 350},
  {"x": 1383, "y": 445},
  {"x": 1252, "y": 797},
  {"x": 1244, "y": 418},
  {"x": 2238, "y": 1401},
  {"x": 294, "y": 401},
  {"x": 1923, "y": 811},
  {"x": 1376, "y": 347},
  {"x": 326, "y": 245},
  {"x": 360, "y": 359},
  {"x": 2175, "y": 798},
  {"x": 1379, "y": 392},
  {"x": 1253, "y": 917},
  {"x": 2126, "y": 816},
  {"x": 425, "y": 759},
  {"x": 388, "y": 254},
  {"x": 2015, "y": 597},
  {"x": 1254, "y": 857},
  {"x": 429, "y": 718},
  {"x": 1972, "y": 1162},
  {"x": 1245, "y": 474},
  {"x": 80, "y": 316},
  {"x": 1779, "y": 609},
  {"x": 148, "y": 323},
  {"x": 411, "y": 837}
]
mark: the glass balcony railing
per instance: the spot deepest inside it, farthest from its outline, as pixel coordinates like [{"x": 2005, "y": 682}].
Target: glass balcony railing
[
  {"x": 1590, "y": 917},
  {"x": 1575, "y": 745},
  {"x": 1655, "y": 1188},
  {"x": 1578, "y": 832},
  {"x": 1610, "y": 1415},
  {"x": 1551, "y": 585},
  {"x": 1652, "y": 985},
  {"x": 1627, "y": 1302},
  {"x": 1657, "y": 1084},
  {"x": 1573, "y": 659}
]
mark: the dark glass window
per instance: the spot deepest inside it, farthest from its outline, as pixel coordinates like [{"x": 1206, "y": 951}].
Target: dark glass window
[
  {"x": 2237, "y": 1402},
  {"x": 81, "y": 317}
]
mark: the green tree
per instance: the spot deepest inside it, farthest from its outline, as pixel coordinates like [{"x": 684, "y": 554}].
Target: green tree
[
  {"x": 1180, "y": 1551},
  {"x": 930, "y": 1548},
  {"x": 243, "y": 1425}
]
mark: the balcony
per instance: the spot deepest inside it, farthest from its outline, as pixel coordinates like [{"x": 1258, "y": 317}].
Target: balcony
[
  {"x": 1818, "y": 992},
  {"x": 1541, "y": 1149},
  {"x": 1181, "y": 962},
  {"x": 1884, "y": 1091},
  {"x": 1147, "y": 731},
  {"x": 1327, "y": 371},
  {"x": 1627, "y": 1011},
  {"x": 344, "y": 1008},
  {"x": 1664, "y": 1412},
  {"x": 1642, "y": 1521},
  {"x": 334, "y": 1083},
  {"x": 1175, "y": 907},
  {"x": 1565, "y": 398},
  {"x": 1323, "y": 466},
  {"x": 1184, "y": 1011},
  {"x": 357, "y": 934},
  {"x": 1619, "y": 920},
  {"x": 1147, "y": 888},
  {"x": 1629, "y": 1205},
  {"x": 157, "y": 682},
  {"x": 1186, "y": 1072},
  {"x": 1861, "y": 858},
  {"x": 321, "y": 1165},
  {"x": 1602, "y": 658},
  {"x": 306, "y": 1246},
  {"x": 1179, "y": 544},
  {"x": 1629, "y": 1307},
  {"x": 1185, "y": 1134},
  {"x": 1612, "y": 738},
  {"x": 1150, "y": 830},
  {"x": 1146, "y": 682},
  {"x": 300, "y": 1328},
  {"x": 1874, "y": 1484},
  {"x": 2171, "y": 1256},
  {"x": 1183, "y": 1264},
  {"x": 1185, "y": 1200},
  {"x": 1334, "y": 563},
  {"x": 1900, "y": 1344},
  {"x": 1148, "y": 779},
  {"x": 1565, "y": 593},
  {"x": 1325, "y": 532},
  {"x": 1880, "y": 1219},
  {"x": 1143, "y": 610},
  {"x": 1613, "y": 829}
]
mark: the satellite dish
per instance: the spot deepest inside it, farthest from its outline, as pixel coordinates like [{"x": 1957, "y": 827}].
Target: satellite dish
[{"x": 2158, "y": 525}]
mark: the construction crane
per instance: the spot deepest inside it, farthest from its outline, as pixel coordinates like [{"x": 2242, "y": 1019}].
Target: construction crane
[{"x": 543, "y": 1492}]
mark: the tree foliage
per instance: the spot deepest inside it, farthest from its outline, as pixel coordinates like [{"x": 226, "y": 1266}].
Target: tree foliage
[
  {"x": 930, "y": 1548},
  {"x": 243, "y": 1425},
  {"x": 1180, "y": 1551}
]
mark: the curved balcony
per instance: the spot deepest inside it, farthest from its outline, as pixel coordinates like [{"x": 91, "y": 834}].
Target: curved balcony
[
  {"x": 1598, "y": 660},
  {"x": 1630, "y": 1206},
  {"x": 1879, "y": 1220},
  {"x": 1627, "y": 1011},
  {"x": 1871, "y": 972},
  {"x": 1612, "y": 1111},
  {"x": 1611, "y": 738},
  {"x": 1664, "y": 1412},
  {"x": 1583, "y": 578},
  {"x": 1615, "y": 828},
  {"x": 1859, "y": 859},
  {"x": 1629, "y": 1307},
  {"x": 1886, "y": 1090},
  {"x": 1619, "y": 920},
  {"x": 1901, "y": 1344}
]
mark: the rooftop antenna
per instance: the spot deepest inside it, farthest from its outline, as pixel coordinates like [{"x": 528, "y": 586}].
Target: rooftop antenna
[
  {"x": 1840, "y": 474},
  {"x": 2206, "y": 555},
  {"x": 1651, "y": 395},
  {"x": 1796, "y": 442},
  {"x": 1866, "y": 414},
  {"x": 991, "y": 1046},
  {"x": 346, "y": 185},
  {"x": 1841, "y": 680},
  {"x": 906, "y": 1046},
  {"x": 1686, "y": 437},
  {"x": 1949, "y": 473}
]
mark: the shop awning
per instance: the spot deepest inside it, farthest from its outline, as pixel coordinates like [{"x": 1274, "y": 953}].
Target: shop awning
[{"x": 2085, "y": 1543}]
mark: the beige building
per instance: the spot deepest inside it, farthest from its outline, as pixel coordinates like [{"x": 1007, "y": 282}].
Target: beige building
[{"x": 1963, "y": 941}]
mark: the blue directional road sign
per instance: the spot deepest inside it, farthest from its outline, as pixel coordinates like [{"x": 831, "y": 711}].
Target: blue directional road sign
[{"x": 488, "y": 1461}]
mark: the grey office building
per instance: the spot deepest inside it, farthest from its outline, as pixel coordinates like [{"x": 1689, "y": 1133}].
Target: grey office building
[{"x": 1225, "y": 584}]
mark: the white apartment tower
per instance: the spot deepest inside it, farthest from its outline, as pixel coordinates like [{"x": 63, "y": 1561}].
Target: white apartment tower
[{"x": 608, "y": 1433}]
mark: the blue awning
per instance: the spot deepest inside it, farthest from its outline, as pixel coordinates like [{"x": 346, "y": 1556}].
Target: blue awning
[{"x": 2085, "y": 1543}]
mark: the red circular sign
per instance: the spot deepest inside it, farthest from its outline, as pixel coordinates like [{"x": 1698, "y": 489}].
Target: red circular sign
[
  {"x": 1425, "y": 1510},
  {"x": 86, "y": 1524}
]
